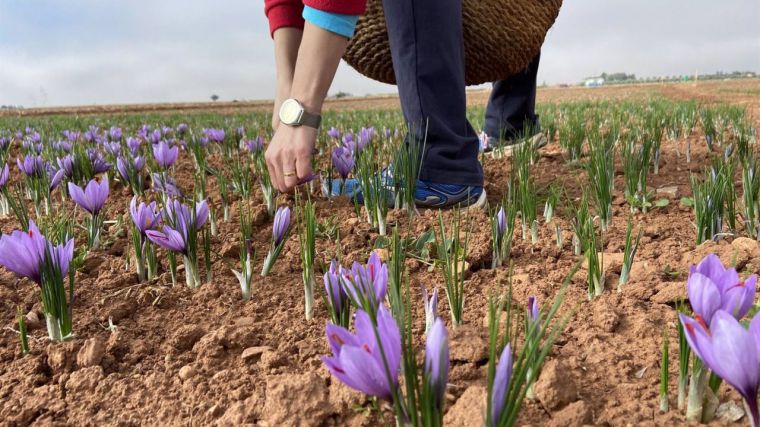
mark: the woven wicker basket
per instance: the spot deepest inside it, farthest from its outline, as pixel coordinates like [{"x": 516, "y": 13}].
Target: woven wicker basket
[{"x": 500, "y": 38}]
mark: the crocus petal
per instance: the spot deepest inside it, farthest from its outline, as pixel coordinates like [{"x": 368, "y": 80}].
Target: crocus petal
[
  {"x": 333, "y": 364},
  {"x": 78, "y": 196},
  {"x": 698, "y": 338},
  {"x": 704, "y": 295},
  {"x": 437, "y": 357},
  {"x": 754, "y": 330},
  {"x": 738, "y": 298},
  {"x": 338, "y": 336},
  {"x": 169, "y": 239},
  {"x": 711, "y": 267},
  {"x": 390, "y": 338},
  {"x": 501, "y": 383},
  {"x": 364, "y": 369},
  {"x": 737, "y": 360},
  {"x": 201, "y": 214}
]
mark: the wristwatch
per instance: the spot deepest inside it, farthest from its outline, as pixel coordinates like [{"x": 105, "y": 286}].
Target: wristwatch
[{"x": 292, "y": 113}]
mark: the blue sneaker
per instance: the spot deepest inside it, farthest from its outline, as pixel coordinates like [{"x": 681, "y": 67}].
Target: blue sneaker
[
  {"x": 438, "y": 196},
  {"x": 427, "y": 194}
]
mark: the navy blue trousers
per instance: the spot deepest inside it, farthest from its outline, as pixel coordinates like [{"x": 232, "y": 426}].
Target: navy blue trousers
[{"x": 427, "y": 48}]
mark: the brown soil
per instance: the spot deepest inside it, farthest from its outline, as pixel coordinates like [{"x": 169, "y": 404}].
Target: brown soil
[{"x": 205, "y": 357}]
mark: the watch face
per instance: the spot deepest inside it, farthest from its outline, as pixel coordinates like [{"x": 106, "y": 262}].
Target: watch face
[{"x": 290, "y": 112}]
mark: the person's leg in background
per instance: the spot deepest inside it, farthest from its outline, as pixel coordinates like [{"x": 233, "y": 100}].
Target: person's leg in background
[
  {"x": 427, "y": 48},
  {"x": 511, "y": 110}
]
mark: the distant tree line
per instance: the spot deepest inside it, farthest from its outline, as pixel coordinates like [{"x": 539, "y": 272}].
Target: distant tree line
[{"x": 620, "y": 78}]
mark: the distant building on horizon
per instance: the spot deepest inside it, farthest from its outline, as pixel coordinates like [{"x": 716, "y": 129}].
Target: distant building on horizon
[{"x": 594, "y": 81}]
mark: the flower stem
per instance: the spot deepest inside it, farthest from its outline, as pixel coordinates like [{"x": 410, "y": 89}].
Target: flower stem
[
  {"x": 192, "y": 276},
  {"x": 754, "y": 413},
  {"x": 309, "y": 297},
  {"x": 696, "y": 391},
  {"x": 54, "y": 328}
]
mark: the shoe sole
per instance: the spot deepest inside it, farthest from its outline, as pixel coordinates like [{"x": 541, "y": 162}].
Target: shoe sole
[
  {"x": 481, "y": 202},
  {"x": 538, "y": 140}
]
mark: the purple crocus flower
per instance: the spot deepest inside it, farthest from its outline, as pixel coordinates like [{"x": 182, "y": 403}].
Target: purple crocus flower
[
  {"x": 72, "y": 136},
  {"x": 113, "y": 148},
  {"x": 93, "y": 197},
  {"x": 364, "y": 137},
  {"x": 134, "y": 145},
  {"x": 431, "y": 308},
  {"x": 66, "y": 164},
  {"x": 165, "y": 184},
  {"x": 335, "y": 293},
  {"x": 501, "y": 384},
  {"x": 501, "y": 221},
  {"x": 214, "y": 135},
  {"x": 31, "y": 166},
  {"x": 56, "y": 176},
  {"x": 253, "y": 145},
  {"x": 730, "y": 351},
  {"x": 281, "y": 224},
  {"x": 174, "y": 238},
  {"x": 357, "y": 360},
  {"x": 115, "y": 133},
  {"x": 333, "y": 133},
  {"x": 127, "y": 165},
  {"x": 63, "y": 145},
  {"x": 343, "y": 161},
  {"x": 155, "y": 136},
  {"x": 4, "y": 175},
  {"x": 180, "y": 216},
  {"x": 144, "y": 216},
  {"x": 240, "y": 132},
  {"x": 23, "y": 252},
  {"x": 712, "y": 287},
  {"x": 367, "y": 282},
  {"x": 165, "y": 156},
  {"x": 437, "y": 360},
  {"x": 99, "y": 164},
  {"x": 4, "y": 142},
  {"x": 168, "y": 238},
  {"x": 348, "y": 140},
  {"x": 182, "y": 128},
  {"x": 532, "y": 309}
]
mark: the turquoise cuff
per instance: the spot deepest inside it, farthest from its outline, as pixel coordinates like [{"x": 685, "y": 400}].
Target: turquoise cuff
[{"x": 343, "y": 25}]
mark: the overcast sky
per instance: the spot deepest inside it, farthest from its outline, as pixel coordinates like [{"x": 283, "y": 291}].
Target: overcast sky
[{"x": 78, "y": 52}]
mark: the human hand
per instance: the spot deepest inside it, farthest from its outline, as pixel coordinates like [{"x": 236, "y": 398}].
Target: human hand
[{"x": 288, "y": 156}]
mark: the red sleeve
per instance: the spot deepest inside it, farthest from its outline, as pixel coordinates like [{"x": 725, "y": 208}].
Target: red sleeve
[
  {"x": 283, "y": 13},
  {"x": 288, "y": 13},
  {"x": 343, "y": 7}
]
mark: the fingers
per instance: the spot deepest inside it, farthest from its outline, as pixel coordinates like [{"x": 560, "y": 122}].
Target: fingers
[
  {"x": 273, "y": 166},
  {"x": 303, "y": 168},
  {"x": 288, "y": 157},
  {"x": 289, "y": 173}
]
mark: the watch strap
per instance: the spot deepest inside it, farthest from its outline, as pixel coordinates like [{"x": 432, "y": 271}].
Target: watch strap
[{"x": 311, "y": 120}]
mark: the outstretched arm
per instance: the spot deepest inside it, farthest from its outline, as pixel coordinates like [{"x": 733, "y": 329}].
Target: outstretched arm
[{"x": 289, "y": 152}]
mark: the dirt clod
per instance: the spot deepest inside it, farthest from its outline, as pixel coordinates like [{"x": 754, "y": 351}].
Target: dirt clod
[
  {"x": 91, "y": 353},
  {"x": 285, "y": 403},
  {"x": 468, "y": 408},
  {"x": 576, "y": 414},
  {"x": 85, "y": 379},
  {"x": 468, "y": 344},
  {"x": 605, "y": 317},
  {"x": 555, "y": 388},
  {"x": 252, "y": 354},
  {"x": 186, "y": 336}
]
